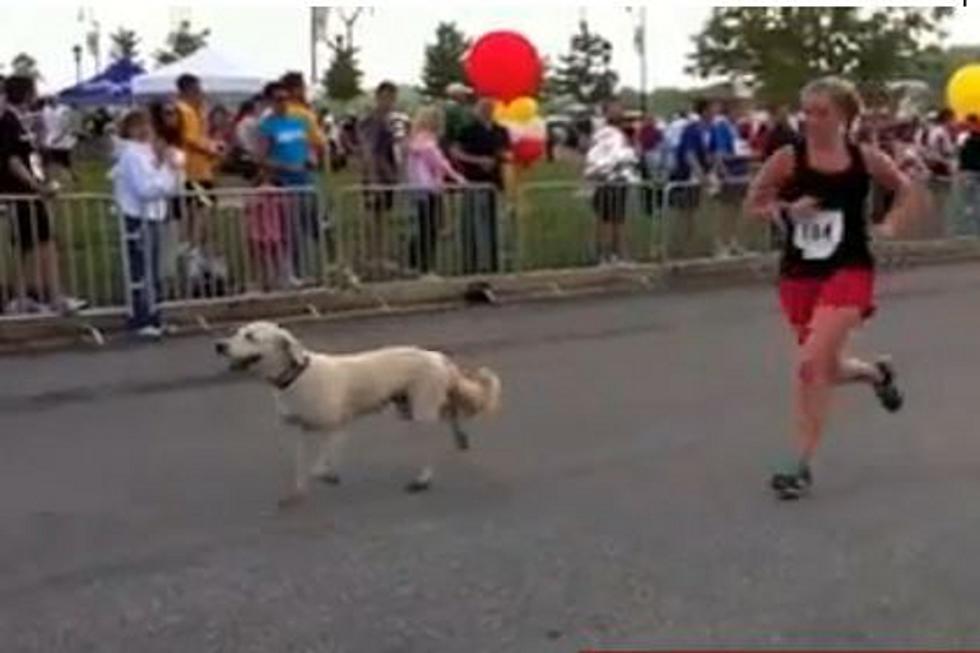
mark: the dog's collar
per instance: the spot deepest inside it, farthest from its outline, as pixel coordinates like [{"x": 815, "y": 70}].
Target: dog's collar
[{"x": 293, "y": 372}]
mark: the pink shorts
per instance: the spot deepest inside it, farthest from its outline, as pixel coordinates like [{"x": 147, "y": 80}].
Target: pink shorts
[{"x": 848, "y": 287}]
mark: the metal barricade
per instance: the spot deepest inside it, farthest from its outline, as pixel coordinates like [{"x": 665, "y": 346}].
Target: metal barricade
[
  {"x": 574, "y": 224},
  {"x": 964, "y": 214},
  {"x": 385, "y": 233},
  {"x": 706, "y": 221},
  {"x": 56, "y": 249},
  {"x": 234, "y": 242}
]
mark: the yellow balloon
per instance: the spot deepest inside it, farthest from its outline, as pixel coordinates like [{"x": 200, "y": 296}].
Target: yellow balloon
[
  {"x": 500, "y": 111},
  {"x": 963, "y": 91},
  {"x": 522, "y": 110}
]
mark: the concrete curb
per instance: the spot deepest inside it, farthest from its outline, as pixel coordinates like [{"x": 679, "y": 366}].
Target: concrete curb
[{"x": 33, "y": 334}]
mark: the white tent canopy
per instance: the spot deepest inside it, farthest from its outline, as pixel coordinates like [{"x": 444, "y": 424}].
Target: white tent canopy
[{"x": 219, "y": 76}]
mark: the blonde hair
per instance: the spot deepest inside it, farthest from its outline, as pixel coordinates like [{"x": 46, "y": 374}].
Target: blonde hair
[
  {"x": 842, "y": 93},
  {"x": 133, "y": 120},
  {"x": 427, "y": 119}
]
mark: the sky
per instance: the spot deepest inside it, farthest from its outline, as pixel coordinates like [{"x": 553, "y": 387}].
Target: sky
[{"x": 270, "y": 38}]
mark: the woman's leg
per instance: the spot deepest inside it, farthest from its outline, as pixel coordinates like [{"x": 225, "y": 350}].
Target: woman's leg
[
  {"x": 136, "y": 262},
  {"x": 819, "y": 370},
  {"x": 154, "y": 287}
]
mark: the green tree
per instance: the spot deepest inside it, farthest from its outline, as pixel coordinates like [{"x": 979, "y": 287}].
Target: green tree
[
  {"x": 25, "y": 65},
  {"x": 125, "y": 45},
  {"x": 779, "y": 49},
  {"x": 342, "y": 81},
  {"x": 585, "y": 73},
  {"x": 181, "y": 43},
  {"x": 444, "y": 60}
]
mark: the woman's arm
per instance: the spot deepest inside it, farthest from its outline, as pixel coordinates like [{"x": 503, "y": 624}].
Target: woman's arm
[
  {"x": 148, "y": 180},
  {"x": 908, "y": 199},
  {"x": 444, "y": 167},
  {"x": 762, "y": 201}
]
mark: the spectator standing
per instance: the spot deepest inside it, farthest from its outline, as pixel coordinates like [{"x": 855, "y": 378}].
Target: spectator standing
[
  {"x": 299, "y": 107},
  {"x": 202, "y": 156},
  {"x": 940, "y": 149},
  {"x": 221, "y": 127},
  {"x": 481, "y": 150},
  {"x": 780, "y": 131},
  {"x": 732, "y": 166},
  {"x": 21, "y": 173},
  {"x": 165, "y": 119},
  {"x": 146, "y": 174},
  {"x": 376, "y": 137},
  {"x": 286, "y": 159},
  {"x": 692, "y": 167},
  {"x": 457, "y": 111},
  {"x": 426, "y": 169},
  {"x": 970, "y": 174},
  {"x": 60, "y": 126},
  {"x": 247, "y": 141},
  {"x": 267, "y": 233},
  {"x": 611, "y": 163}
]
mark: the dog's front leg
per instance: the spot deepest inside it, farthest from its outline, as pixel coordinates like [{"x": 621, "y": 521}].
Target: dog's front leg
[
  {"x": 327, "y": 464},
  {"x": 301, "y": 473}
]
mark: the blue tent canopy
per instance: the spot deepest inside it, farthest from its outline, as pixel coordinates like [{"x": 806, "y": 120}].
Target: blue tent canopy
[{"x": 111, "y": 86}]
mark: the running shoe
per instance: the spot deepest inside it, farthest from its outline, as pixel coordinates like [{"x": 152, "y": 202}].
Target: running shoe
[
  {"x": 793, "y": 482},
  {"x": 886, "y": 389}
]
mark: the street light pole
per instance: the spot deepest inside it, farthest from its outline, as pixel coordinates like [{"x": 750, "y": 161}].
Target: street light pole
[
  {"x": 640, "y": 41},
  {"x": 640, "y": 45},
  {"x": 76, "y": 51}
]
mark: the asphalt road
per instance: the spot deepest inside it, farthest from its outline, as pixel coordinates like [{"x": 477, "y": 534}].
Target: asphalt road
[{"x": 618, "y": 502}]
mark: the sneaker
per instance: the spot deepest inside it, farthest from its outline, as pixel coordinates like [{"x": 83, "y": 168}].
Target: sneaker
[
  {"x": 217, "y": 266},
  {"x": 736, "y": 249},
  {"x": 723, "y": 252},
  {"x": 793, "y": 483},
  {"x": 889, "y": 395},
  {"x": 150, "y": 333},
  {"x": 69, "y": 305},
  {"x": 23, "y": 305}
]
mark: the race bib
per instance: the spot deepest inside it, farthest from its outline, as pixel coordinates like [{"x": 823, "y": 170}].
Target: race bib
[{"x": 818, "y": 236}]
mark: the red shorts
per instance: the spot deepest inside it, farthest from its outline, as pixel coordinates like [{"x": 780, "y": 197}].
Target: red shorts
[{"x": 848, "y": 287}]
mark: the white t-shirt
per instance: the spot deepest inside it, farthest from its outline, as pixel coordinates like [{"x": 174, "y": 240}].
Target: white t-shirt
[
  {"x": 59, "y": 128},
  {"x": 939, "y": 143}
]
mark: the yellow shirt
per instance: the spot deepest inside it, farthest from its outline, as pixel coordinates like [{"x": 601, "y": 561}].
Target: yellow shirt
[
  {"x": 318, "y": 140},
  {"x": 195, "y": 143}
]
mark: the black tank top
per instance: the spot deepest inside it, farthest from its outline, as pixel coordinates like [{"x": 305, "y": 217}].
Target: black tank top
[{"x": 838, "y": 236}]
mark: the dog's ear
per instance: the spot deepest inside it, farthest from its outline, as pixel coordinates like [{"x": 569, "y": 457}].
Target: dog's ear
[{"x": 291, "y": 347}]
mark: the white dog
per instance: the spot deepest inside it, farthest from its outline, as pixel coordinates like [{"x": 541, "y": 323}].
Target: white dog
[{"x": 321, "y": 394}]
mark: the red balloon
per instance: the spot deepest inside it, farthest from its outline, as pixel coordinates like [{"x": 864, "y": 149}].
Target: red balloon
[
  {"x": 503, "y": 65},
  {"x": 527, "y": 150}
]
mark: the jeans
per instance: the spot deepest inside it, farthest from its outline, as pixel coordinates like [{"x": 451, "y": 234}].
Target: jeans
[
  {"x": 478, "y": 231},
  {"x": 428, "y": 214},
  {"x": 303, "y": 218},
  {"x": 143, "y": 266}
]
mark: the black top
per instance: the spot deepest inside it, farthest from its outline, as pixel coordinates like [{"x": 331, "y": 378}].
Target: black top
[
  {"x": 838, "y": 236},
  {"x": 16, "y": 142},
  {"x": 378, "y": 137},
  {"x": 970, "y": 153},
  {"x": 478, "y": 139}
]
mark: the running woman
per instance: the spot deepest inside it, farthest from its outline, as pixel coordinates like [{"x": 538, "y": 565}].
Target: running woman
[{"x": 817, "y": 191}]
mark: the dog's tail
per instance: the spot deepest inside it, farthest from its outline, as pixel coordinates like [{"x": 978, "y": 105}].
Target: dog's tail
[{"x": 474, "y": 393}]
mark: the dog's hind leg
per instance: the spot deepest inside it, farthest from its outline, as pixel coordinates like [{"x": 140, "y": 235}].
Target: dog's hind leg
[
  {"x": 327, "y": 462},
  {"x": 460, "y": 436}
]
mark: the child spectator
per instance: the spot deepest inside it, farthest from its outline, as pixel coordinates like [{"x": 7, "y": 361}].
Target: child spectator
[{"x": 144, "y": 176}]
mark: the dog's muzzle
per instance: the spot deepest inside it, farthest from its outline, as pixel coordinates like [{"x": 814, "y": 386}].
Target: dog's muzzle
[{"x": 235, "y": 364}]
